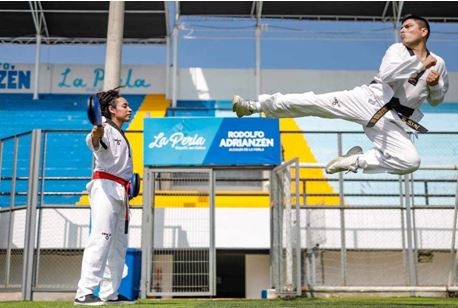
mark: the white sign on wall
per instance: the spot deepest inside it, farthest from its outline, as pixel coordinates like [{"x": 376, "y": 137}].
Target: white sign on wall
[
  {"x": 79, "y": 79},
  {"x": 192, "y": 83},
  {"x": 15, "y": 78}
]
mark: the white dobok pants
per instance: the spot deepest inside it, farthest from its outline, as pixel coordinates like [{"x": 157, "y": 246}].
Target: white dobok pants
[
  {"x": 394, "y": 152},
  {"x": 104, "y": 255}
]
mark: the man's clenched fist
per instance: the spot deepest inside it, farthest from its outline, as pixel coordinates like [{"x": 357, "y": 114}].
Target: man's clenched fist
[{"x": 433, "y": 78}]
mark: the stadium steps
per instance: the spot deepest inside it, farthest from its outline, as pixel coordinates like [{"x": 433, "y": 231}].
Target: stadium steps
[
  {"x": 198, "y": 108},
  {"x": 67, "y": 153}
]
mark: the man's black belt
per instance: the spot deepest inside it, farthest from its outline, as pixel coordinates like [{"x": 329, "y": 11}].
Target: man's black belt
[{"x": 403, "y": 112}]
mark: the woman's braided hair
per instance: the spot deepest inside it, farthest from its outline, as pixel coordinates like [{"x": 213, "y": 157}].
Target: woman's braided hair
[{"x": 108, "y": 98}]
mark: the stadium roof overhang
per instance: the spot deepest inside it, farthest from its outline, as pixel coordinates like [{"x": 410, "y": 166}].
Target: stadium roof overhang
[
  {"x": 80, "y": 22},
  {"x": 440, "y": 11},
  {"x": 146, "y": 22}
]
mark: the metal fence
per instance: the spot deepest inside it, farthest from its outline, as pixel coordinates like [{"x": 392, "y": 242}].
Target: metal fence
[
  {"x": 376, "y": 232},
  {"x": 42, "y": 232},
  {"x": 12, "y": 212},
  {"x": 179, "y": 241},
  {"x": 378, "y": 247},
  {"x": 350, "y": 224},
  {"x": 285, "y": 230}
]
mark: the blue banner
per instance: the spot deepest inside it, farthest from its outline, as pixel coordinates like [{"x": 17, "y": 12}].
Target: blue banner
[{"x": 211, "y": 141}]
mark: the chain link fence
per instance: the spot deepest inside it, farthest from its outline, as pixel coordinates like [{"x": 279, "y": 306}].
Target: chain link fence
[
  {"x": 405, "y": 244},
  {"x": 42, "y": 232},
  {"x": 12, "y": 226},
  {"x": 285, "y": 224},
  {"x": 354, "y": 228},
  {"x": 376, "y": 232},
  {"x": 14, "y": 184},
  {"x": 181, "y": 244}
]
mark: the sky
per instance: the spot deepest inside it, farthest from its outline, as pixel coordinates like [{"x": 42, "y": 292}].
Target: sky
[{"x": 230, "y": 43}]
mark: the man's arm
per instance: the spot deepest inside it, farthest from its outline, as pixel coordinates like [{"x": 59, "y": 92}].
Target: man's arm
[
  {"x": 437, "y": 82},
  {"x": 395, "y": 67}
]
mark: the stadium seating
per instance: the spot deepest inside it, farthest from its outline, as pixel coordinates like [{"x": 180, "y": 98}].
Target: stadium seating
[
  {"x": 209, "y": 108},
  {"x": 67, "y": 154}
]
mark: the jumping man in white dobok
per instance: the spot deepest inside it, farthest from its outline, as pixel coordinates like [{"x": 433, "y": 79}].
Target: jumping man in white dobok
[{"x": 408, "y": 75}]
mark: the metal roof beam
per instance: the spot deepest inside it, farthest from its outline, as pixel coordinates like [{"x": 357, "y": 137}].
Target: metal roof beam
[
  {"x": 82, "y": 11},
  {"x": 308, "y": 17},
  {"x": 253, "y": 8},
  {"x": 38, "y": 18},
  {"x": 397, "y": 11},
  {"x": 325, "y": 17},
  {"x": 400, "y": 7},
  {"x": 258, "y": 47},
  {"x": 43, "y": 19},
  {"x": 177, "y": 12},
  {"x": 258, "y": 11},
  {"x": 176, "y": 36},
  {"x": 385, "y": 10},
  {"x": 167, "y": 16},
  {"x": 81, "y": 40}
]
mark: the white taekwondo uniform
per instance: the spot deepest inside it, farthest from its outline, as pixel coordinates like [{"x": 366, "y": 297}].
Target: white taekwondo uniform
[
  {"x": 401, "y": 75},
  {"x": 104, "y": 255}
]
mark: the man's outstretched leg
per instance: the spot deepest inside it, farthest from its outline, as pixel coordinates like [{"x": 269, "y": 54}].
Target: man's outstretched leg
[
  {"x": 341, "y": 105},
  {"x": 393, "y": 153},
  {"x": 353, "y": 105}
]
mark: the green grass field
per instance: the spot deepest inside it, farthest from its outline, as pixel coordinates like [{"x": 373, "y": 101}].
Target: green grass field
[{"x": 299, "y": 302}]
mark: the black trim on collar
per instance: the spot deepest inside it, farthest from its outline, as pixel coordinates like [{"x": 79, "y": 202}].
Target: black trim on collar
[
  {"x": 412, "y": 53},
  {"x": 110, "y": 122},
  {"x": 414, "y": 80}
]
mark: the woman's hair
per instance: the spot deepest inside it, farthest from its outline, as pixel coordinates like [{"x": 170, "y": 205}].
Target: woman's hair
[{"x": 108, "y": 98}]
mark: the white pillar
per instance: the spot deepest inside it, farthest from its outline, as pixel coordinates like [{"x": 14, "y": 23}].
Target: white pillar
[
  {"x": 396, "y": 33},
  {"x": 397, "y": 19},
  {"x": 411, "y": 263},
  {"x": 167, "y": 67},
  {"x": 115, "y": 35},
  {"x": 175, "y": 65},
  {"x": 258, "y": 61},
  {"x": 36, "y": 76}
]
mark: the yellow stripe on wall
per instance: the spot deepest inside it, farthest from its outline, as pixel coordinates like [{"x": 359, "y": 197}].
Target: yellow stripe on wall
[
  {"x": 153, "y": 106},
  {"x": 196, "y": 199},
  {"x": 295, "y": 145}
]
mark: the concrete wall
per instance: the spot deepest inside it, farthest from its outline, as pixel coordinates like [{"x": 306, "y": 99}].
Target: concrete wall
[
  {"x": 244, "y": 228},
  {"x": 222, "y": 84},
  {"x": 380, "y": 268},
  {"x": 192, "y": 83},
  {"x": 256, "y": 275},
  {"x": 374, "y": 241},
  {"x": 61, "y": 269}
]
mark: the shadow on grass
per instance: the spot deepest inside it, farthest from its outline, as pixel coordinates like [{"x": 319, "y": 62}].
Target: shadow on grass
[{"x": 235, "y": 303}]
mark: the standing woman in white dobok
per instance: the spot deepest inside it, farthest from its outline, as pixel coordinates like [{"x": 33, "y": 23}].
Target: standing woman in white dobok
[{"x": 104, "y": 255}]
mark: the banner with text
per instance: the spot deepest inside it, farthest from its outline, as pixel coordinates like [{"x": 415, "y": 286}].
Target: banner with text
[
  {"x": 211, "y": 141},
  {"x": 79, "y": 79}
]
